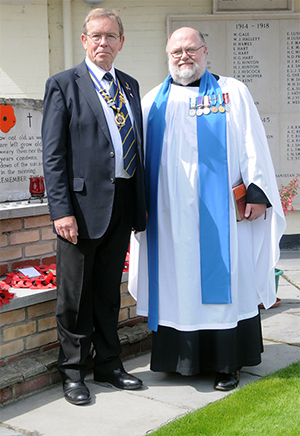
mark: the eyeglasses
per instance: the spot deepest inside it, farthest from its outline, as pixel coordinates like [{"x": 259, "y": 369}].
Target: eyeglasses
[
  {"x": 110, "y": 37},
  {"x": 190, "y": 51}
]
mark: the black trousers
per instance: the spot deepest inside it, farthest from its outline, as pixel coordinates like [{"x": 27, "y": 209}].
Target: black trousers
[{"x": 88, "y": 284}]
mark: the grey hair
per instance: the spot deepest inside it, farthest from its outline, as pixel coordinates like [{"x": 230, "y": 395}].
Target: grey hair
[{"x": 103, "y": 13}]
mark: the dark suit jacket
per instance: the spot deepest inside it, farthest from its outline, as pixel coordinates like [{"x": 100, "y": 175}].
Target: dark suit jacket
[{"x": 78, "y": 154}]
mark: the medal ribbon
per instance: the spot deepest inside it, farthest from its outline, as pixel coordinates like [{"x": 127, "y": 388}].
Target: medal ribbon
[
  {"x": 125, "y": 126},
  {"x": 109, "y": 100}
]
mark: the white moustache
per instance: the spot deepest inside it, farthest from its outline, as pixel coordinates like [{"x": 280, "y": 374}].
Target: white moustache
[{"x": 185, "y": 62}]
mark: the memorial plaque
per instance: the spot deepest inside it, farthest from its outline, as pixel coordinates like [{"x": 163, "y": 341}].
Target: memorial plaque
[
  {"x": 263, "y": 51},
  {"x": 20, "y": 147},
  {"x": 252, "y": 5}
]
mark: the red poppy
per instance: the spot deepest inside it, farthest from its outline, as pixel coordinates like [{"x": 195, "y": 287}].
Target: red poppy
[
  {"x": 46, "y": 280},
  {"x": 7, "y": 118},
  {"x": 5, "y": 296}
]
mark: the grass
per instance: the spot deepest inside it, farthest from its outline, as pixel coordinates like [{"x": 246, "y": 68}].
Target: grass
[{"x": 269, "y": 407}]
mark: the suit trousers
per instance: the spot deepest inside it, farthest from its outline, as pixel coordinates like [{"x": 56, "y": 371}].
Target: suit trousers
[{"x": 88, "y": 285}]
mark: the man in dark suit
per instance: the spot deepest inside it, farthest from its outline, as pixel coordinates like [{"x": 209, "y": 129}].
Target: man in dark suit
[{"x": 96, "y": 198}]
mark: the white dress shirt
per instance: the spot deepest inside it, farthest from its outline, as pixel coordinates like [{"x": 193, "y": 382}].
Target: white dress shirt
[{"x": 110, "y": 117}]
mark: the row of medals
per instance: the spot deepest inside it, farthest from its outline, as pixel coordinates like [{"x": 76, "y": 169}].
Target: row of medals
[{"x": 204, "y": 105}]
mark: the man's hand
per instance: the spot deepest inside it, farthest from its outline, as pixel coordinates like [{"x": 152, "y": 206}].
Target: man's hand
[
  {"x": 254, "y": 211},
  {"x": 67, "y": 228}
]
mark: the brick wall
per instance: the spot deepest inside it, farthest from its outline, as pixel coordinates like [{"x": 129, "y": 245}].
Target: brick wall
[
  {"x": 27, "y": 331},
  {"x": 31, "y": 330},
  {"x": 26, "y": 241}
]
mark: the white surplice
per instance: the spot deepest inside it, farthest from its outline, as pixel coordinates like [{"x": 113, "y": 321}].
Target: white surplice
[{"x": 254, "y": 245}]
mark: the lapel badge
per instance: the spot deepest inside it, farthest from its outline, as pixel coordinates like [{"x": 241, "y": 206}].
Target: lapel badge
[
  {"x": 128, "y": 89},
  {"x": 127, "y": 86}
]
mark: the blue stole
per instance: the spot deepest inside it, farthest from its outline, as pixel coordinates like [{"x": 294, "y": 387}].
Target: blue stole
[{"x": 213, "y": 198}]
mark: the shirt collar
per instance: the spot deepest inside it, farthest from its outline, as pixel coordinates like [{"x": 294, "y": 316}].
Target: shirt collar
[{"x": 98, "y": 71}]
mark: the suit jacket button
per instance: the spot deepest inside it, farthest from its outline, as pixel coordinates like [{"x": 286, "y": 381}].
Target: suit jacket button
[
  {"x": 112, "y": 154},
  {"x": 112, "y": 180}
]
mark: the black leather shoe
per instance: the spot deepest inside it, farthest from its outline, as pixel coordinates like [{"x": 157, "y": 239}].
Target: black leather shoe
[
  {"x": 227, "y": 381},
  {"x": 119, "y": 378},
  {"x": 76, "y": 393}
]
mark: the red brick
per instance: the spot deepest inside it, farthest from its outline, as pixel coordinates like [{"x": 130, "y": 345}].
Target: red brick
[
  {"x": 12, "y": 317},
  {"x": 32, "y": 385},
  {"x": 123, "y": 314},
  {"x": 130, "y": 350},
  {"x": 47, "y": 323},
  {"x": 124, "y": 288},
  {"x": 22, "y": 356},
  {"x": 47, "y": 234},
  {"x": 14, "y": 347},
  {"x": 37, "y": 221},
  {"x": 3, "y": 241},
  {"x": 6, "y": 394},
  {"x": 41, "y": 339},
  {"x": 127, "y": 300},
  {"x": 3, "y": 269},
  {"x": 39, "y": 249},
  {"x": 10, "y": 254},
  {"x": 131, "y": 322},
  {"x": 25, "y": 237},
  {"x": 19, "y": 331},
  {"x": 29, "y": 262},
  {"x": 132, "y": 312},
  {"x": 51, "y": 346},
  {"x": 55, "y": 376},
  {"x": 41, "y": 309},
  {"x": 146, "y": 344},
  {"x": 10, "y": 225},
  {"x": 48, "y": 260}
]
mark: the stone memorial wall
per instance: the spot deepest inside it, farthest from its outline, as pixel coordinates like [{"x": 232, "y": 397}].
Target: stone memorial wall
[
  {"x": 263, "y": 51},
  {"x": 221, "y": 6},
  {"x": 20, "y": 147}
]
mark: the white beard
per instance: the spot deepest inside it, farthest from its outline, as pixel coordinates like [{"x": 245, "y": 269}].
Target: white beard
[{"x": 187, "y": 74}]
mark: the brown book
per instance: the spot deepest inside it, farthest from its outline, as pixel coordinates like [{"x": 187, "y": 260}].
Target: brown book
[{"x": 240, "y": 194}]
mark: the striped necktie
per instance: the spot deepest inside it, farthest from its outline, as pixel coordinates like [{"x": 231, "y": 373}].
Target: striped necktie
[{"x": 126, "y": 130}]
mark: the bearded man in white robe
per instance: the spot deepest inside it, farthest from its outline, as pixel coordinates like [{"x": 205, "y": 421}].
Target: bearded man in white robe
[{"x": 199, "y": 274}]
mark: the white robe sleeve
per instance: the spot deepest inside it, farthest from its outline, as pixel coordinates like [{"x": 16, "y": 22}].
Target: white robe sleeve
[{"x": 256, "y": 167}]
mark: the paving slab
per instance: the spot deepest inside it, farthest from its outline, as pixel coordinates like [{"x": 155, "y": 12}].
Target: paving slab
[{"x": 113, "y": 412}]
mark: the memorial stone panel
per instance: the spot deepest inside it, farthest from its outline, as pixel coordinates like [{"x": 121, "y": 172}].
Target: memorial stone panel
[
  {"x": 20, "y": 147},
  {"x": 221, "y": 6},
  {"x": 263, "y": 51}
]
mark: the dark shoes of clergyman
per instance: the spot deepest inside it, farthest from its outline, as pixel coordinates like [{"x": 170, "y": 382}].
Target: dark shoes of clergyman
[
  {"x": 76, "y": 392},
  {"x": 227, "y": 381},
  {"x": 119, "y": 378}
]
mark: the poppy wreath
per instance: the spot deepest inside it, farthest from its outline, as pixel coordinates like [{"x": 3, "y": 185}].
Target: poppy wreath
[
  {"x": 126, "y": 265},
  {"x": 7, "y": 118},
  {"x": 5, "y": 296},
  {"x": 46, "y": 279}
]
